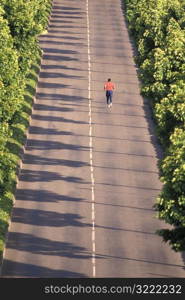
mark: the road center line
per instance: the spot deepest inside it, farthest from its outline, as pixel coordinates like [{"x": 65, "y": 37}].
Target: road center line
[{"x": 91, "y": 143}]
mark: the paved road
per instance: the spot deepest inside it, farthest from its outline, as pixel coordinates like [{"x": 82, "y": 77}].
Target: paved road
[{"x": 84, "y": 202}]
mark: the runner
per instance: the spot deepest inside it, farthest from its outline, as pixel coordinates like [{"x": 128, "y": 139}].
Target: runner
[{"x": 109, "y": 87}]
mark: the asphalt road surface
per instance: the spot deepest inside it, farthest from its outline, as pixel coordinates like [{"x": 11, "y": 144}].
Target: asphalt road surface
[{"x": 89, "y": 179}]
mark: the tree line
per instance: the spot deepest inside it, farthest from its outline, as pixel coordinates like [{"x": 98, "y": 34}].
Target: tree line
[
  {"x": 21, "y": 22},
  {"x": 158, "y": 28}
]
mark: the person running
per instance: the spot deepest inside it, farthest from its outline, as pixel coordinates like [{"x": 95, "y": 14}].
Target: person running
[{"x": 109, "y": 87}]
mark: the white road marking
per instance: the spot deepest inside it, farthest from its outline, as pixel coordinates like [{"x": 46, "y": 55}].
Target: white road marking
[{"x": 91, "y": 143}]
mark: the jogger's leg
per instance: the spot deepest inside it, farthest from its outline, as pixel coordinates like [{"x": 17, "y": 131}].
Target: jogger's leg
[
  {"x": 109, "y": 100},
  {"x": 108, "y": 97},
  {"x": 111, "y": 94}
]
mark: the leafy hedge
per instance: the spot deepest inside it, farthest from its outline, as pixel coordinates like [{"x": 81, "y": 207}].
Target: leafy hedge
[
  {"x": 158, "y": 27},
  {"x": 21, "y": 21}
]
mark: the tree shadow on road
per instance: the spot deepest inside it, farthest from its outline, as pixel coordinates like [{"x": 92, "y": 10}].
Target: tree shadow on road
[
  {"x": 146, "y": 103},
  {"x": 17, "y": 269},
  {"x": 62, "y": 97},
  {"x": 64, "y": 8},
  {"x": 56, "y": 119},
  {"x": 51, "y": 145},
  {"x": 38, "y": 245},
  {"x": 58, "y": 19},
  {"x": 58, "y": 57},
  {"x": 46, "y": 176},
  {"x": 68, "y": 13},
  {"x": 54, "y": 50},
  {"x": 40, "y": 160},
  {"x": 59, "y": 75},
  {"x": 47, "y": 218},
  {"x": 183, "y": 257},
  {"x": 138, "y": 260},
  {"x": 45, "y": 107},
  {"x": 48, "y": 131},
  {"x": 70, "y": 37},
  {"x": 61, "y": 67},
  {"x": 52, "y": 85},
  {"x": 44, "y": 196}
]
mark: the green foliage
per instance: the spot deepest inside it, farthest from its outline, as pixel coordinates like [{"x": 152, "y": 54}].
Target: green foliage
[
  {"x": 170, "y": 112},
  {"x": 10, "y": 94},
  {"x": 158, "y": 27},
  {"x": 175, "y": 237},
  {"x": 21, "y": 21},
  {"x": 171, "y": 201},
  {"x": 26, "y": 20}
]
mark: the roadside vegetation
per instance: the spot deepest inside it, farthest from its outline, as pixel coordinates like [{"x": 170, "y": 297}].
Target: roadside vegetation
[
  {"x": 158, "y": 28},
  {"x": 21, "y": 22}
]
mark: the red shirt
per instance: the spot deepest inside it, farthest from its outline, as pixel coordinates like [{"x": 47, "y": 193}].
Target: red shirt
[{"x": 109, "y": 86}]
